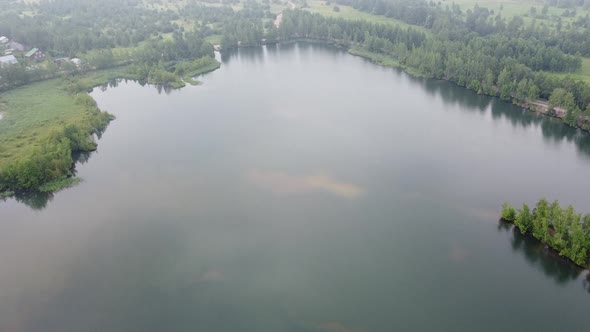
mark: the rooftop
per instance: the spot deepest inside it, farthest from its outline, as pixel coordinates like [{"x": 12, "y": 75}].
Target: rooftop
[
  {"x": 8, "y": 60},
  {"x": 31, "y": 52}
]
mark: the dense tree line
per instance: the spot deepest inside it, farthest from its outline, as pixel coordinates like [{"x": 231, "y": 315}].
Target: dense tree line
[
  {"x": 245, "y": 27},
  {"x": 564, "y": 230},
  {"x": 456, "y": 24},
  {"x": 302, "y": 24},
  {"x": 511, "y": 68},
  {"x": 66, "y": 27},
  {"x": 164, "y": 61},
  {"x": 154, "y": 61}
]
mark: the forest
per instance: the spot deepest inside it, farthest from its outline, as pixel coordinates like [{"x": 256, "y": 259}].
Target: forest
[{"x": 564, "y": 230}]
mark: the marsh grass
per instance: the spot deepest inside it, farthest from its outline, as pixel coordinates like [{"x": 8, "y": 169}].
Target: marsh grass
[{"x": 58, "y": 185}]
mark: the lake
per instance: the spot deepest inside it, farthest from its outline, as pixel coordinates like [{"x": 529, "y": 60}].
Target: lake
[{"x": 300, "y": 188}]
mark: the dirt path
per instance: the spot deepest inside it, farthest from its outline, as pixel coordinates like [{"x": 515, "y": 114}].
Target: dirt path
[
  {"x": 542, "y": 106},
  {"x": 279, "y": 18}
]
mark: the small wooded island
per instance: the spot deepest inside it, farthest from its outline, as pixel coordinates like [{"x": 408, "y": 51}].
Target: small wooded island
[{"x": 564, "y": 230}]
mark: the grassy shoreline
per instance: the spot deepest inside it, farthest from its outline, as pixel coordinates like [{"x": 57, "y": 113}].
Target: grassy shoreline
[{"x": 45, "y": 122}]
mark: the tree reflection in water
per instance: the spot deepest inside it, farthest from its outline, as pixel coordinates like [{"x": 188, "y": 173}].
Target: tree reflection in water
[{"x": 558, "y": 268}]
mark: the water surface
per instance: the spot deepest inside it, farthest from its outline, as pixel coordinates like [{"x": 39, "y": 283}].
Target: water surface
[{"x": 299, "y": 189}]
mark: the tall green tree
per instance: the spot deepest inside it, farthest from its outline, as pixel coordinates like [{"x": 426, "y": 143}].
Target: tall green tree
[{"x": 524, "y": 219}]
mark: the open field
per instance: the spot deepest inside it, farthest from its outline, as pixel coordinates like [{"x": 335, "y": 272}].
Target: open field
[
  {"x": 583, "y": 75},
  {"x": 510, "y": 8},
  {"x": 214, "y": 39},
  {"x": 349, "y": 13},
  {"x": 31, "y": 113},
  {"x": 177, "y": 5}
]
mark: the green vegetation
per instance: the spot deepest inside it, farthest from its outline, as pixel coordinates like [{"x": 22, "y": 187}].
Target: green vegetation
[
  {"x": 168, "y": 61},
  {"x": 87, "y": 81},
  {"x": 564, "y": 230},
  {"x": 193, "y": 68},
  {"x": 139, "y": 34},
  {"x": 33, "y": 112},
  {"x": 43, "y": 124},
  {"x": 508, "y": 212},
  {"x": 378, "y": 58},
  {"x": 57, "y": 185},
  {"x": 535, "y": 54},
  {"x": 583, "y": 74},
  {"x": 325, "y": 8},
  {"x": 214, "y": 39},
  {"x": 550, "y": 12}
]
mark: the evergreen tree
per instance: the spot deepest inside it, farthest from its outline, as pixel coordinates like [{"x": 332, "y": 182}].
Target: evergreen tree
[
  {"x": 540, "y": 215},
  {"x": 524, "y": 219},
  {"x": 508, "y": 212}
]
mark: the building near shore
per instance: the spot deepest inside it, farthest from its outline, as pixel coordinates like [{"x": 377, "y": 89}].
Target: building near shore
[
  {"x": 8, "y": 60},
  {"x": 3, "y": 39},
  {"x": 35, "y": 54}
]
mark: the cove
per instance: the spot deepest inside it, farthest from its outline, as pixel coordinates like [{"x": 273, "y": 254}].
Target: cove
[{"x": 299, "y": 188}]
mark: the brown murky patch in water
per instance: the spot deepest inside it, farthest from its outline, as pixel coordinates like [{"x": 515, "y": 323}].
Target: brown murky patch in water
[
  {"x": 458, "y": 254},
  {"x": 336, "y": 327},
  {"x": 283, "y": 183},
  {"x": 212, "y": 275}
]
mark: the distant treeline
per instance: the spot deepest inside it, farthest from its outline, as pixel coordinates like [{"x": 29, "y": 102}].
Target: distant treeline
[
  {"x": 564, "y": 230},
  {"x": 67, "y": 27},
  {"x": 455, "y": 24}
]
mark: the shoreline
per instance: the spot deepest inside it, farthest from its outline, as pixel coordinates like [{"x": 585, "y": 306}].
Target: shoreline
[
  {"x": 83, "y": 84},
  {"x": 539, "y": 106}
]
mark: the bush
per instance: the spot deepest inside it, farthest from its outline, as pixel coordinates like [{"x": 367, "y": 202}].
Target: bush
[{"x": 508, "y": 212}]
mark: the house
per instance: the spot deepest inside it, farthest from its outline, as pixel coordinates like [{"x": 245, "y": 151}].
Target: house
[
  {"x": 61, "y": 61},
  {"x": 3, "y": 40},
  {"x": 17, "y": 47},
  {"x": 8, "y": 60},
  {"x": 35, "y": 55},
  {"x": 77, "y": 62}
]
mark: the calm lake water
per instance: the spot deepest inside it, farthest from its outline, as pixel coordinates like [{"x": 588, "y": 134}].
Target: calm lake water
[{"x": 300, "y": 189}]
